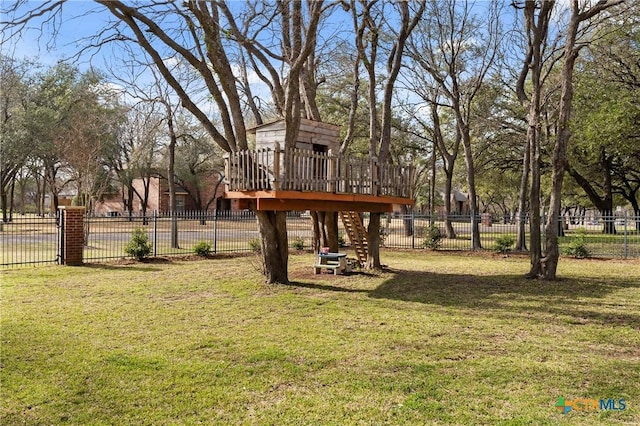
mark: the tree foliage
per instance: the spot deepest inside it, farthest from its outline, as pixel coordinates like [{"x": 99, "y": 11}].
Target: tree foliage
[{"x": 605, "y": 158}]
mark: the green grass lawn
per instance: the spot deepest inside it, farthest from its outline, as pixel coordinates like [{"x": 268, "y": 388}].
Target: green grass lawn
[{"x": 436, "y": 339}]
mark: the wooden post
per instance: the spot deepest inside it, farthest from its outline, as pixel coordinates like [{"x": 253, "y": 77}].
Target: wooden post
[
  {"x": 411, "y": 181},
  {"x": 373, "y": 173},
  {"x": 227, "y": 171},
  {"x": 276, "y": 167},
  {"x": 331, "y": 171}
]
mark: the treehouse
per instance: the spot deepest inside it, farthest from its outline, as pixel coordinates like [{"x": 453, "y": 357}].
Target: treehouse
[{"x": 313, "y": 175}]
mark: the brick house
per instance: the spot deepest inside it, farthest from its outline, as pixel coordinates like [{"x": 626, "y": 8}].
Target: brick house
[{"x": 158, "y": 198}]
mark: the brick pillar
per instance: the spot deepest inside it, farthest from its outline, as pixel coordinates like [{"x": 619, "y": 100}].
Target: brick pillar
[{"x": 73, "y": 234}]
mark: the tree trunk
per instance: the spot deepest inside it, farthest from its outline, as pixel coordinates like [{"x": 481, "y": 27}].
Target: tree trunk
[
  {"x": 449, "y": 159},
  {"x": 56, "y": 201},
  {"x": 3, "y": 201},
  {"x": 448, "y": 226},
  {"x": 50, "y": 178},
  {"x": 37, "y": 198},
  {"x": 407, "y": 220},
  {"x": 432, "y": 188},
  {"x": 473, "y": 202},
  {"x": 23, "y": 198},
  {"x": 535, "y": 222},
  {"x": 521, "y": 238},
  {"x": 170, "y": 177},
  {"x": 275, "y": 245},
  {"x": 41, "y": 199},
  {"x": 12, "y": 190},
  {"x": 317, "y": 231},
  {"x": 325, "y": 230},
  {"x": 373, "y": 242},
  {"x": 128, "y": 204},
  {"x": 536, "y": 18},
  {"x": 609, "y": 222},
  {"x": 331, "y": 226},
  {"x": 549, "y": 263}
]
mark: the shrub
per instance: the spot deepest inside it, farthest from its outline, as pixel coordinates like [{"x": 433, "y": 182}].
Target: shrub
[
  {"x": 578, "y": 246},
  {"x": 139, "y": 245},
  {"x": 434, "y": 237},
  {"x": 298, "y": 243},
  {"x": 202, "y": 248},
  {"x": 254, "y": 245},
  {"x": 341, "y": 241},
  {"x": 503, "y": 243},
  {"x": 382, "y": 232}
]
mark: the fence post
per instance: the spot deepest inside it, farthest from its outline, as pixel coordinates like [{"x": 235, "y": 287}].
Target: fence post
[
  {"x": 413, "y": 227},
  {"x": 626, "y": 234},
  {"x": 215, "y": 231},
  {"x": 155, "y": 233},
  {"x": 60, "y": 223},
  {"x": 72, "y": 219}
]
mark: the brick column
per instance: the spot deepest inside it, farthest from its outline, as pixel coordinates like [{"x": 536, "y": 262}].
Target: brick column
[{"x": 73, "y": 234}]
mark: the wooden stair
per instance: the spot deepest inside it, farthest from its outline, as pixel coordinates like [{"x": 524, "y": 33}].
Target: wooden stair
[{"x": 357, "y": 235}]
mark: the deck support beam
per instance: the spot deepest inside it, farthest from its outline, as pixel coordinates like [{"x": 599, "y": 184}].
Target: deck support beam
[{"x": 318, "y": 201}]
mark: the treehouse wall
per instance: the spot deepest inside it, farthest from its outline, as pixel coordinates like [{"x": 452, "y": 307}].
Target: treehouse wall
[{"x": 325, "y": 136}]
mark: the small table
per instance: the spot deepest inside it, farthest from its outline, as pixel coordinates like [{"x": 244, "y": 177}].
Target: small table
[{"x": 333, "y": 261}]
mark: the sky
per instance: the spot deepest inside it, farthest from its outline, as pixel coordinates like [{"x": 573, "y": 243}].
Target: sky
[
  {"x": 63, "y": 37},
  {"x": 60, "y": 38}
]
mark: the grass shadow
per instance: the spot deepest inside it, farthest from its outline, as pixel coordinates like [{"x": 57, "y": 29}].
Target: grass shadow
[
  {"x": 122, "y": 267},
  {"x": 577, "y": 300},
  {"x": 325, "y": 287}
]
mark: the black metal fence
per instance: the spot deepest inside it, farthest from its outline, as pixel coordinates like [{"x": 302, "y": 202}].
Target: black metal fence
[
  {"x": 171, "y": 234},
  {"x": 600, "y": 236},
  {"x": 29, "y": 240},
  {"x": 35, "y": 240}
]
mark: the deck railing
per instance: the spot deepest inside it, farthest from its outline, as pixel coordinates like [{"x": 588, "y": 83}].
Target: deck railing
[{"x": 305, "y": 170}]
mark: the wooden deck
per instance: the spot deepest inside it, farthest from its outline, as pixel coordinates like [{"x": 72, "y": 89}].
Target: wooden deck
[{"x": 299, "y": 179}]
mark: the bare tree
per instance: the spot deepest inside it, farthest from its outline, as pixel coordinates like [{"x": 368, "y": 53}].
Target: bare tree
[
  {"x": 537, "y": 19},
  {"x": 201, "y": 34},
  {"x": 457, "y": 48},
  {"x": 445, "y": 143},
  {"x": 581, "y": 16},
  {"x": 297, "y": 43},
  {"x": 135, "y": 160},
  {"x": 540, "y": 57},
  {"x": 372, "y": 20}
]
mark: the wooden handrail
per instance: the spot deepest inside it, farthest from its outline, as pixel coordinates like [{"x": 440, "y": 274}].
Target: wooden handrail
[{"x": 305, "y": 170}]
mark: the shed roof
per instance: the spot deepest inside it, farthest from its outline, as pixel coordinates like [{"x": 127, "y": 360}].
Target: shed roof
[{"x": 280, "y": 122}]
